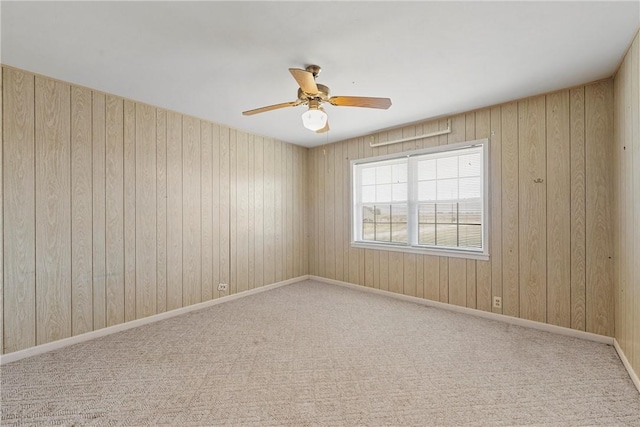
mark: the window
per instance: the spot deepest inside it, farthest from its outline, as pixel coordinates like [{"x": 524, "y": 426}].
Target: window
[{"x": 426, "y": 201}]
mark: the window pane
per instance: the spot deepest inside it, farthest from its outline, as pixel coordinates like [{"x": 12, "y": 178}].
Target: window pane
[
  {"x": 368, "y": 231},
  {"x": 470, "y": 164},
  {"x": 368, "y": 176},
  {"x": 427, "y": 213},
  {"x": 426, "y": 169},
  {"x": 399, "y": 232},
  {"x": 383, "y": 174},
  {"x": 383, "y": 193},
  {"x": 399, "y": 214},
  {"x": 447, "y": 235},
  {"x": 400, "y": 172},
  {"x": 400, "y": 192},
  {"x": 470, "y": 188},
  {"x": 471, "y": 236},
  {"x": 447, "y": 167},
  {"x": 446, "y": 213},
  {"x": 470, "y": 212},
  {"x": 383, "y": 232},
  {"x": 448, "y": 189},
  {"x": 368, "y": 214},
  {"x": 427, "y": 190},
  {"x": 383, "y": 213},
  {"x": 427, "y": 234},
  {"x": 368, "y": 194}
]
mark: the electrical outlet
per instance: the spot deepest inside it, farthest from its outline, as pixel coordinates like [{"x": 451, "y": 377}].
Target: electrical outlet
[
  {"x": 497, "y": 302},
  {"x": 223, "y": 287}
]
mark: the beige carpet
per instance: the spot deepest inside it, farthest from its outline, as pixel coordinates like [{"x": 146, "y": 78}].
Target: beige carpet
[{"x": 317, "y": 354}]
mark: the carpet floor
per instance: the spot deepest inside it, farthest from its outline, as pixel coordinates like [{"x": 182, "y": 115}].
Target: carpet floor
[{"x": 318, "y": 354}]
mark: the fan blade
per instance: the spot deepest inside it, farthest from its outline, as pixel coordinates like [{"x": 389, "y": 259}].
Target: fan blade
[
  {"x": 360, "y": 101},
  {"x": 270, "y": 107},
  {"x": 305, "y": 80},
  {"x": 324, "y": 129}
]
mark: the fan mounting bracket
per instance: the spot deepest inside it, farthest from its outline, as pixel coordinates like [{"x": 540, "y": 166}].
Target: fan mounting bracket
[{"x": 314, "y": 69}]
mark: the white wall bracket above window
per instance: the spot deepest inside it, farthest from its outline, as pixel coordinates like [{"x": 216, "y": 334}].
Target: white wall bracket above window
[{"x": 412, "y": 138}]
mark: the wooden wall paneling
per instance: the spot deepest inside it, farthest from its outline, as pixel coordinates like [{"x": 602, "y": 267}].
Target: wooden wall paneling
[
  {"x": 258, "y": 213},
  {"x": 191, "y": 216},
  {"x": 339, "y": 185},
  {"x": 174, "y": 211},
  {"x": 161, "y": 210},
  {"x": 471, "y": 267},
  {"x": 558, "y": 209},
  {"x": 431, "y": 277},
  {"x": 483, "y": 268},
  {"x": 82, "y": 212},
  {"x": 53, "y": 210},
  {"x": 311, "y": 209},
  {"x": 329, "y": 211},
  {"x": 282, "y": 207},
  {"x": 495, "y": 199},
  {"x": 396, "y": 272},
  {"x": 225, "y": 200},
  {"x": 290, "y": 220},
  {"x": 1, "y": 228},
  {"x": 633, "y": 317},
  {"x": 354, "y": 255},
  {"x": 250, "y": 212},
  {"x": 18, "y": 124},
  {"x": 206, "y": 214},
  {"x": 114, "y": 210},
  {"x": 532, "y": 209},
  {"x": 410, "y": 274},
  {"x": 577, "y": 170},
  {"x": 443, "y": 279},
  {"x": 241, "y": 263},
  {"x": 278, "y": 220},
  {"x": 99, "y": 211},
  {"x": 129, "y": 211},
  {"x": 510, "y": 209},
  {"x": 346, "y": 213},
  {"x": 269, "y": 212},
  {"x": 216, "y": 206},
  {"x": 420, "y": 275},
  {"x": 368, "y": 267},
  {"x": 145, "y": 199},
  {"x": 598, "y": 125}
]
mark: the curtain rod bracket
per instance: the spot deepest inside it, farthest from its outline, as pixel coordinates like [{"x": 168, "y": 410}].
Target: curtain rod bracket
[{"x": 412, "y": 138}]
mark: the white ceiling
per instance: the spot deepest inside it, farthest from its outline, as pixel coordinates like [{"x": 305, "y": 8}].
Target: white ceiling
[{"x": 215, "y": 59}]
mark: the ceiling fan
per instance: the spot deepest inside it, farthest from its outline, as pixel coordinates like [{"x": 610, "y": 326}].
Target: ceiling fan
[{"x": 314, "y": 94}]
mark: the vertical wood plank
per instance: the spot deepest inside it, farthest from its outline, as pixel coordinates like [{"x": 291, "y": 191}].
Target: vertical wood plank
[
  {"x": 558, "y": 210},
  {"x": 598, "y": 124},
  {"x": 269, "y": 212},
  {"x": 53, "y": 210},
  {"x": 290, "y": 244},
  {"x": 258, "y": 212},
  {"x": 114, "y": 208},
  {"x": 495, "y": 230},
  {"x": 19, "y": 210},
  {"x": 215, "y": 219},
  {"x": 532, "y": 209},
  {"x": 443, "y": 278},
  {"x": 174, "y": 211},
  {"x": 278, "y": 214},
  {"x": 161, "y": 209},
  {"x": 129, "y": 211},
  {"x": 458, "y": 281},
  {"x": 241, "y": 240},
  {"x": 410, "y": 274},
  {"x": 81, "y": 212},
  {"x": 578, "y": 244},
  {"x": 396, "y": 272},
  {"x": 145, "y": 217},
  {"x": 471, "y": 283},
  {"x": 99, "y": 211},
  {"x": 207, "y": 211},
  {"x": 191, "y": 220},
  {"x": 510, "y": 208},
  {"x": 225, "y": 264},
  {"x": 431, "y": 277},
  {"x": 368, "y": 268}
]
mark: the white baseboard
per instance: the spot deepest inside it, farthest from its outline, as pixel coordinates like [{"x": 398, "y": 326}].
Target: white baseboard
[
  {"x": 54, "y": 345},
  {"x": 627, "y": 365},
  {"x": 478, "y": 313}
]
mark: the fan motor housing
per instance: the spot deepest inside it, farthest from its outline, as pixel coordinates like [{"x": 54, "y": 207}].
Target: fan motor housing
[{"x": 322, "y": 95}]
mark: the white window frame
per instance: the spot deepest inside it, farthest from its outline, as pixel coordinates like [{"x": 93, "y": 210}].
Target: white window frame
[{"x": 480, "y": 254}]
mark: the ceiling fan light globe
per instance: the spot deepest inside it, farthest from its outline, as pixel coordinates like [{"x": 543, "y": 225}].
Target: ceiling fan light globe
[{"x": 314, "y": 119}]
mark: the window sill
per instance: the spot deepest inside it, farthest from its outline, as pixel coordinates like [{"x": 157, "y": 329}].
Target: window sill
[{"x": 424, "y": 251}]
